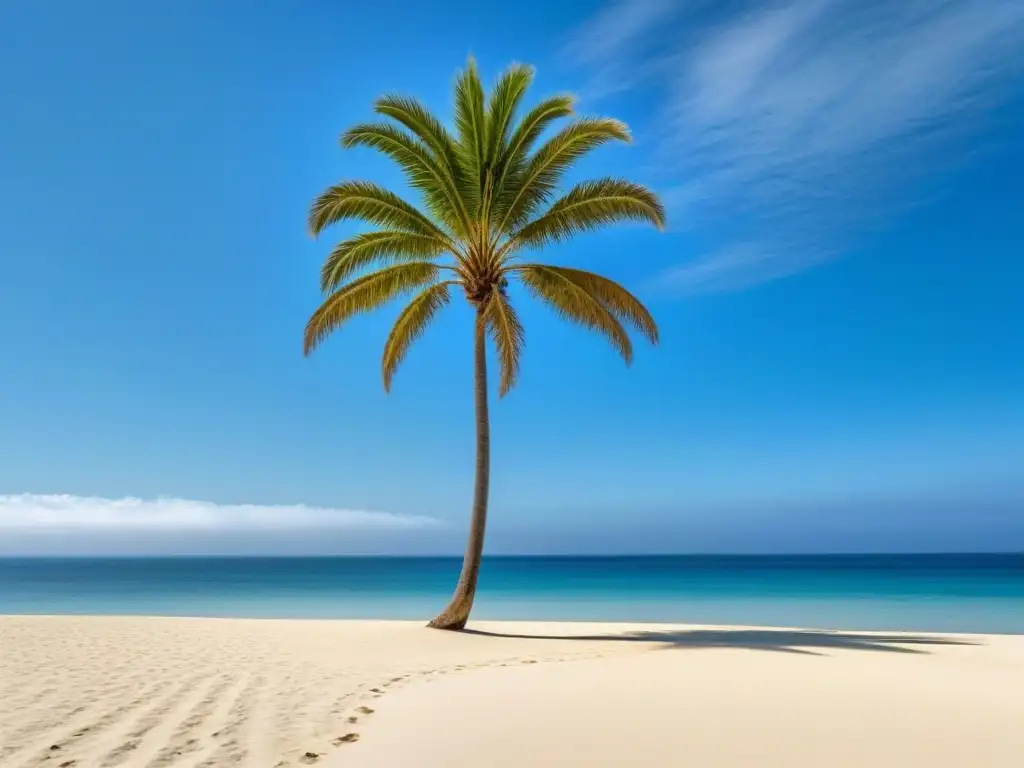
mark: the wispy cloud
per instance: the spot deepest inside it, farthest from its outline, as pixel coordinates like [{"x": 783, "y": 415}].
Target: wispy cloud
[
  {"x": 614, "y": 35},
  {"x": 736, "y": 266},
  {"x": 617, "y": 27},
  {"x": 44, "y": 513},
  {"x": 800, "y": 122}
]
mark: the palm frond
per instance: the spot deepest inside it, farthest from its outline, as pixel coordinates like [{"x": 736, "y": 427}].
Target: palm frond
[
  {"x": 431, "y": 131},
  {"x": 501, "y": 110},
  {"x": 422, "y": 122},
  {"x": 365, "y": 294},
  {"x": 410, "y": 325},
  {"x": 509, "y": 167},
  {"x": 535, "y": 122},
  {"x": 502, "y": 105},
  {"x": 572, "y": 302},
  {"x": 591, "y": 205},
  {"x": 508, "y": 335},
  {"x": 424, "y": 171},
  {"x": 382, "y": 248},
  {"x": 616, "y": 299},
  {"x": 545, "y": 168},
  {"x": 471, "y": 124},
  {"x": 369, "y": 202}
]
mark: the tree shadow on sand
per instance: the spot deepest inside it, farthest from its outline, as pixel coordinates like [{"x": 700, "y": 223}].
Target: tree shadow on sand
[{"x": 808, "y": 642}]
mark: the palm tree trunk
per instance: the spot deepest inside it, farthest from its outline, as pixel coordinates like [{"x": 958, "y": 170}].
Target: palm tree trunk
[{"x": 456, "y": 614}]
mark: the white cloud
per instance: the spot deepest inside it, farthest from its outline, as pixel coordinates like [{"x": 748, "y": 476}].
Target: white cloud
[
  {"x": 616, "y": 34},
  {"x": 41, "y": 513},
  {"x": 619, "y": 26},
  {"x": 805, "y": 119},
  {"x": 733, "y": 267}
]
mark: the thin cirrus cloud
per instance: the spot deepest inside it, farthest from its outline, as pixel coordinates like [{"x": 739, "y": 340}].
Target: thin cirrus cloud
[
  {"x": 795, "y": 126},
  {"x": 58, "y": 513}
]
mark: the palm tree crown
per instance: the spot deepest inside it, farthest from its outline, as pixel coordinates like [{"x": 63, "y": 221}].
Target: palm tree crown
[{"x": 488, "y": 189}]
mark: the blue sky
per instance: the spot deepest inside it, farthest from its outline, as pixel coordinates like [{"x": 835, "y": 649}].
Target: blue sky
[{"x": 839, "y": 289}]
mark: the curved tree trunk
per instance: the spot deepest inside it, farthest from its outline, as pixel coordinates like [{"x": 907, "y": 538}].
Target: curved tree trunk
[{"x": 456, "y": 614}]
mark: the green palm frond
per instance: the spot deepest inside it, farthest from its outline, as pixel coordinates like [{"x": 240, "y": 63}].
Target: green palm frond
[
  {"x": 431, "y": 131},
  {"x": 410, "y": 325},
  {"x": 534, "y": 123},
  {"x": 501, "y": 108},
  {"x": 543, "y": 171},
  {"x": 508, "y": 335},
  {"x": 381, "y": 248},
  {"x": 616, "y": 299},
  {"x": 592, "y": 205},
  {"x": 365, "y": 294},
  {"x": 423, "y": 169},
  {"x": 510, "y": 162},
  {"x": 572, "y": 302},
  {"x": 369, "y": 202},
  {"x": 471, "y": 124},
  {"x": 423, "y": 124}
]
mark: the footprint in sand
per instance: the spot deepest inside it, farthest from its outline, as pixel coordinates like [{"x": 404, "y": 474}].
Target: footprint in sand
[
  {"x": 360, "y": 711},
  {"x": 348, "y": 738}
]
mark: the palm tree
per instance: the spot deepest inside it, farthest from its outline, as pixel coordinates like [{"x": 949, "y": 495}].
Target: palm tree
[{"x": 488, "y": 191}]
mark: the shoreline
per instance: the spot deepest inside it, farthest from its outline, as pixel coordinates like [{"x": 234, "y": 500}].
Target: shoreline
[
  {"x": 611, "y": 623},
  {"x": 168, "y": 691}
]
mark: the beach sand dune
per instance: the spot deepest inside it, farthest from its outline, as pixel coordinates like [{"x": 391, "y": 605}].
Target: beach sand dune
[{"x": 120, "y": 691}]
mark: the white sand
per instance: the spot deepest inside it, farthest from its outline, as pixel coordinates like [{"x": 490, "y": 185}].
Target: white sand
[{"x": 207, "y": 692}]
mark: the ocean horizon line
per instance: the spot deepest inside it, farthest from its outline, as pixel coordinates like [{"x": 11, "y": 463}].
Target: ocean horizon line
[{"x": 511, "y": 556}]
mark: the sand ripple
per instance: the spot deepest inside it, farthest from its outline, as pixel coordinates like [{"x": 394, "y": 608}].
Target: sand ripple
[{"x": 122, "y": 692}]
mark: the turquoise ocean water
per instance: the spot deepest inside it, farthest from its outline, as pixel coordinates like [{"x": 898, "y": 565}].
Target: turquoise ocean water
[{"x": 955, "y": 593}]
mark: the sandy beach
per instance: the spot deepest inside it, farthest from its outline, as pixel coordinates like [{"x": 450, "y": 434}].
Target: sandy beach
[{"x": 85, "y": 691}]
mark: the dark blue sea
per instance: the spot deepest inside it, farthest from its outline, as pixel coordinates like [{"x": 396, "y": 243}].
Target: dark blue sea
[{"x": 954, "y": 593}]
